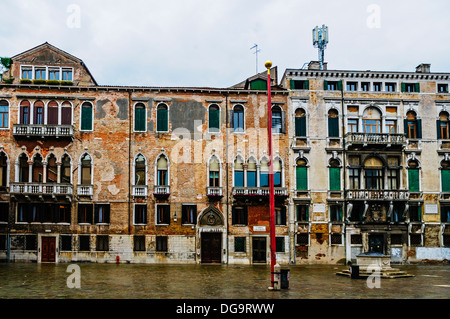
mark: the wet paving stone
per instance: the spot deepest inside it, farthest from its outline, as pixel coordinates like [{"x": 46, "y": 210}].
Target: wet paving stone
[{"x": 144, "y": 281}]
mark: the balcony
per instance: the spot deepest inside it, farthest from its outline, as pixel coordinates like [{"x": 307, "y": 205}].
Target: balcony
[
  {"x": 43, "y": 131},
  {"x": 85, "y": 190},
  {"x": 214, "y": 191},
  {"x": 377, "y": 194},
  {"x": 258, "y": 191},
  {"x": 41, "y": 189},
  {"x": 139, "y": 190},
  {"x": 161, "y": 190},
  {"x": 375, "y": 139}
]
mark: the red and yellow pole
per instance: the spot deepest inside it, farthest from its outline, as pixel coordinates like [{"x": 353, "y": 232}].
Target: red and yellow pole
[{"x": 268, "y": 65}]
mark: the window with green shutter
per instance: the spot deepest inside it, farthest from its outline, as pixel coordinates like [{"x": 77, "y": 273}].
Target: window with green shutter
[
  {"x": 302, "y": 177},
  {"x": 413, "y": 180},
  {"x": 333, "y": 123},
  {"x": 214, "y": 118},
  {"x": 299, "y": 85},
  {"x": 258, "y": 84},
  {"x": 335, "y": 178},
  {"x": 445, "y": 179},
  {"x": 139, "y": 117},
  {"x": 300, "y": 122},
  {"x": 162, "y": 118},
  {"x": 86, "y": 116}
]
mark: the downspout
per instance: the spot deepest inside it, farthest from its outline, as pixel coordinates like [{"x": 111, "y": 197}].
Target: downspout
[
  {"x": 344, "y": 211},
  {"x": 129, "y": 161},
  {"x": 226, "y": 167}
]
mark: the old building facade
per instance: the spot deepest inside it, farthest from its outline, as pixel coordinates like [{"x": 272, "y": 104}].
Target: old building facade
[{"x": 180, "y": 175}]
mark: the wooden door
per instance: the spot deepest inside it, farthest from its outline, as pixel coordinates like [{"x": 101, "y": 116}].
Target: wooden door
[
  {"x": 48, "y": 249},
  {"x": 211, "y": 247},
  {"x": 259, "y": 249},
  {"x": 376, "y": 243}
]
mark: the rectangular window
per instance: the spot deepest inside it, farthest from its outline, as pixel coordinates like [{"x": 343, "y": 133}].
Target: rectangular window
[
  {"x": 410, "y": 87},
  {"x": 335, "y": 178},
  {"x": 40, "y": 74},
  {"x": 365, "y": 86},
  {"x": 66, "y": 242},
  {"x": 391, "y": 126},
  {"x": 102, "y": 243},
  {"x": 189, "y": 214},
  {"x": 353, "y": 174},
  {"x": 372, "y": 126},
  {"x": 299, "y": 85},
  {"x": 239, "y": 244},
  {"x": 336, "y": 213},
  {"x": 443, "y": 128},
  {"x": 251, "y": 178},
  {"x": 139, "y": 118},
  {"x": 214, "y": 179},
  {"x": 140, "y": 214},
  {"x": 356, "y": 239},
  {"x": 445, "y": 179},
  {"x": 161, "y": 243},
  {"x": 396, "y": 239},
  {"x": 67, "y": 74},
  {"x": 415, "y": 213},
  {"x": 64, "y": 213},
  {"x": 302, "y": 239},
  {"x": 390, "y": 87},
  {"x": 214, "y": 119},
  {"x": 86, "y": 117},
  {"x": 3, "y": 240},
  {"x": 393, "y": 179},
  {"x": 332, "y": 85},
  {"x": 101, "y": 215},
  {"x": 352, "y": 126},
  {"x": 302, "y": 211},
  {"x": 239, "y": 215},
  {"x": 239, "y": 178},
  {"x": 445, "y": 213},
  {"x": 85, "y": 213},
  {"x": 279, "y": 244},
  {"x": 4, "y": 114},
  {"x": 280, "y": 216},
  {"x": 300, "y": 126},
  {"x": 27, "y": 73},
  {"x": 352, "y": 86},
  {"x": 333, "y": 127},
  {"x": 162, "y": 214},
  {"x": 442, "y": 88},
  {"x": 53, "y": 74},
  {"x": 30, "y": 242},
  {"x": 84, "y": 242},
  {"x": 238, "y": 119},
  {"x": 4, "y": 210},
  {"x": 138, "y": 243},
  {"x": 336, "y": 239},
  {"x": 413, "y": 180},
  {"x": 377, "y": 86}
]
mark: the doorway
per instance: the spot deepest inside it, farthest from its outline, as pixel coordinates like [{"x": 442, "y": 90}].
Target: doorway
[
  {"x": 48, "y": 249},
  {"x": 211, "y": 247},
  {"x": 376, "y": 243},
  {"x": 259, "y": 249}
]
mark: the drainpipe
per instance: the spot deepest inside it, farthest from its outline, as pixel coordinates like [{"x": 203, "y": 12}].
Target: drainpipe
[
  {"x": 226, "y": 166},
  {"x": 343, "y": 164},
  {"x": 129, "y": 161}
]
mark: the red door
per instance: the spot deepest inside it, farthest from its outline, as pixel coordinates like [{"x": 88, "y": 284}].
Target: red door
[{"x": 48, "y": 249}]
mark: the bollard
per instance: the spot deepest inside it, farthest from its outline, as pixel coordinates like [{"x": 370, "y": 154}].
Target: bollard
[
  {"x": 276, "y": 278},
  {"x": 117, "y": 259}
]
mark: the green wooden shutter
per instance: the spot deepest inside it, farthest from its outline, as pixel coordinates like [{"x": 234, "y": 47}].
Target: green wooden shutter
[
  {"x": 325, "y": 85},
  {"x": 405, "y": 125},
  {"x": 333, "y": 127},
  {"x": 419, "y": 128},
  {"x": 335, "y": 178},
  {"x": 258, "y": 84},
  {"x": 292, "y": 84},
  {"x": 413, "y": 180},
  {"x": 300, "y": 126},
  {"x": 438, "y": 128},
  {"x": 403, "y": 87},
  {"x": 86, "y": 118},
  {"x": 302, "y": 178},
  {"x": 417, "y": 87},
  {"x": 139, "y": 119},
  {"x": 214, "y": 116},
  {"x": 445, "y": 176},
  {"x": 306, "y": 85},
  {"x": 339, "y": 85},
  {"x": 162, "y": 124}
]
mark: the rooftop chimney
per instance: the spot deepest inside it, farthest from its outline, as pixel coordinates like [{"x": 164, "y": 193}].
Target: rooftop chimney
[{"x": 423, "y": 68}]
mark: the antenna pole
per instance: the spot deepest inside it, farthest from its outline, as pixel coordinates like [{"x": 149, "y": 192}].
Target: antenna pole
[{"x": 256, "y": 53}]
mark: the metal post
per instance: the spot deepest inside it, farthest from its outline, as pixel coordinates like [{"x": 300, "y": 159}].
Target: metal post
[{"x": 268, "y": 65}]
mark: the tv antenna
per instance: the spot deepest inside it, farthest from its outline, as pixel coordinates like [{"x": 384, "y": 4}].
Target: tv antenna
[
  {"x": 320, "y": 40},
  {"x": 256, "y": 53}
]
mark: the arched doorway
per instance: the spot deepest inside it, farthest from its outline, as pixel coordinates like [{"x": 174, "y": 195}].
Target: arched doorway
[{"x": 211, "y": 232}]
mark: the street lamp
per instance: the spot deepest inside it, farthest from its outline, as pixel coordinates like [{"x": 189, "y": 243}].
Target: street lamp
[{"x": 268, "y": 65}]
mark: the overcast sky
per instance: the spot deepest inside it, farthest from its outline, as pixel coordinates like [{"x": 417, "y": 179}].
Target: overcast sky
[{"x": 200, "y": 43}]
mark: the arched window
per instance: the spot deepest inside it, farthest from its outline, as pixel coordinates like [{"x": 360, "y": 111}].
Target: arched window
[
  {"x": 38, "y": 169},
  {"x": 300, "y": 122},
  {"x": 65, "y": 169},
  {"x": 277, "y": 172},
  {"x": 25, "y": 109},
  {"x": 413, "y": 176},
  {"x": 277, "y": 119},
  {"x": 443, "y": 126},
  {"x": 251, "y": 172},
  {"x": 3, "y": 171},
  {"x": 86, "y": 170},
  {"x": 139, "y": 117},
  {"x": 52, "y": 113},
  {"x": 333, "y": 123},
  {"x": 86, "y": 116},
  {"x": 372, "y": 120},
  {"x": 4, "y": 114},
  {"x": 373, "y": 173},
  {"x": 214, "y": 118},
  {"x": 23, "y": 168},
  {"x": 301, "y": 174},
  {"x": 238, "y": 118},
  {"x": 66, "y": 113},
  {"x": 413, "y": 126},
  {"x": 335, "y": 175},
  {"x": 139, "y": 170},
  {"x": 52, "y": 169},
  {"x": 162, "y": 118},
  {"x": 214, "y": 172},
  {"x": 264, "y": 172},
  {"x": 238, "y": 172},
  {"x": 38, "y": 111},
  {"x": 162, "y": 169}
]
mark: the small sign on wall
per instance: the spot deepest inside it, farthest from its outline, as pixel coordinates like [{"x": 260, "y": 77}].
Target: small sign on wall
[
  {"x": 431, "y": 209},
  {"x": 259, "y": 228}
]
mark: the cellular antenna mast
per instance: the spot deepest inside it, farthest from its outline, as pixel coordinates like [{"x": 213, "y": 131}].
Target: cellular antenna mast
[
  {"x": 320, "y": 40},
  {"x": 256, "y": 53}
]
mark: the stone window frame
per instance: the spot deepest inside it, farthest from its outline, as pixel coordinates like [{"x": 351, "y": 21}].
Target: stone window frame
[
  {"x": 8, "y": 114},
  {"x": 134, "y": 118}
]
